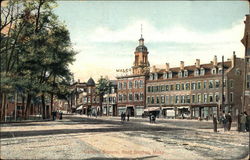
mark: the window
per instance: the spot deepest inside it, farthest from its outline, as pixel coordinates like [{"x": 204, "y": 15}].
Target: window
[
  {"x": 211, "y": 98},
  {"x": 180, "y": 74},
  {"x": 157, "y": 100},
  {"x": 170, "y": 74},
  {"x": 119, "y": 97},
  {"x": 85, "y": 99},
  {"x": 130, "y": 84},
  {"x": 177, "y": 87},
  {"x": 217, "y": 97},
  {"x": 171, "y": 87},
  {"x": 217, "y": 83},
  {"x": 170, "y": 99},
  {"x": 165, "y": 75},
  {"x": 231, "y": 83},
  {"x": 199, "y": 98},
  {"x": 151, "y": 77},
  {"x": 141, "y": 96},
  {"x": 125, "y": 97},
  {"x": 166, "y": 100},
  {"x": 141, "y": 83},
  {"x": 182, "y": 99},
  {"x": 202, "y": 71},
  {"x": 176, "y": 99},
  {"x": 182, "y": 86},
  {"x": 196, "y": 72},
  {"x": 193, "y": 86},
  {"x": 149, "y": 88},
  {"x": 199, "y": 85},
  {"x": 231, "y": 96},
  {"x": 89, "y": 99},
  {"x": 162, "y": 88},
  {"x": 205, "y": 84},
  {"x": 119, "y": 85},
  {"x": 193, "y": 98},
  {"x": 185, "y": 73},
  {"x": 162, "y": 99},
  {"x": 187, "y": 86},
  {"x": 214, "y": 71},
  {"x": 152, "y": 100},
  {"x": 205, "y": 98},
  {"x": 130, "y": 96},
  {"x": 136, "y": 96},
  {"x": 248, "y": 81},
  {"x": 148, "y": 100},
  {"x": 136, "y": 84},
  {"x": 211, "y": 84},
  {"x": 167, "y": 87},
  {"x": 187, "y": 99},
  {"x": 125, "y": 85},
  {"x": 89, "y": 90},
  {"x": 156, "y": 76}
]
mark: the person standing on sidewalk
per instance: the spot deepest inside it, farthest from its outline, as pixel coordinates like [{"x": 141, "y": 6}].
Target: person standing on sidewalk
[
  {"x": 243, "y": 120},
  {"x": 224, "y": 121},
  {"x": 127, "y": 116},
  {"x": 229, "y": 121}
]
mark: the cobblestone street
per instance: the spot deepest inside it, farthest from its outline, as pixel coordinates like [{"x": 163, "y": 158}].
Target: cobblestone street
[{"x": 79, "y": 137}]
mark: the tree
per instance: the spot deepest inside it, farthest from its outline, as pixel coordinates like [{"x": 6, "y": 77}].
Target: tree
[
  {"x": 36, "y": 53},
  {"x": 102, "y": 87}
]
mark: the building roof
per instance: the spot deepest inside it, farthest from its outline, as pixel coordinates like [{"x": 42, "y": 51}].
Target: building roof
[
  {"x": 91, "y": 82},
  {"x": 141, "y": 48}
]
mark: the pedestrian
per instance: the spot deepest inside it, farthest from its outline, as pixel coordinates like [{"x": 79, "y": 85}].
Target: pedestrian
[
  {"x": 224, "y": 121},
  {"x": 61, "y": 115},
  {"x": 127, "y": 116},
  {"x": 122, "y": 116},
  {"x": 247, "y": 122},
  {"x": 150, "y": 118},
  {"x": 229, "y": 121},
  {"x": 53, "y": 115},
  {"x": 153, "y": 118},
  {"x": 243, "y": 120}
]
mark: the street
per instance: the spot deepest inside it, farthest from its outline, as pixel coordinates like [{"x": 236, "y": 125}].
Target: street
[{"x": 80, "y": 137}]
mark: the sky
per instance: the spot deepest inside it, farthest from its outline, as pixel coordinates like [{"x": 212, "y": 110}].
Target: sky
[{"x": 106, "y": 33}]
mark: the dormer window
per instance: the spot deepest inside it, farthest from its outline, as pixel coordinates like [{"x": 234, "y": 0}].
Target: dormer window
[
  {"x": 220, "y": 70},
  {"x": 186, "y": 73},
  {"x": 156, "y": 76},
  {"x": 170, "y": 75},
  {"x": 202, "y": 71},
  {"x": 196, "y": 72},
  {"x": 180, "y": 74},
  {"x": 165, "y": 75},
  {"x": 151, "y": 77},
  {"x": 214, "y": 71}
]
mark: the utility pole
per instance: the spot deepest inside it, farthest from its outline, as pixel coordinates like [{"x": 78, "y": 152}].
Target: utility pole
[
  {"x": 222, "y": 87},
  {"x": 244, "y": 75}
]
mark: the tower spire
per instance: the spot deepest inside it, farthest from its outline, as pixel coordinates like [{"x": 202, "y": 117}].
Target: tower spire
[{"x": 141, "y": 30}]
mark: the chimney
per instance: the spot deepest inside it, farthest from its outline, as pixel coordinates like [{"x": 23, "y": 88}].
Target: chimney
[
  {"x": 154, "y": 68},
  {"x": 182, "y": 65},
  {"x": 167, "y": 67},
  {"x": 197, "y": 63},
  {"x": 78, "y": 80},
  {"x": 233, "y": 59},
  {"x": 215, "y": 61}
]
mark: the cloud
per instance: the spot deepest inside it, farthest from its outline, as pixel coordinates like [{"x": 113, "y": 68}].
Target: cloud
[{"x": 177, "y": 34}]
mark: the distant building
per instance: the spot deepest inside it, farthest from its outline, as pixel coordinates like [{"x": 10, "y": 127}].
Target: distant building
[
  {"x": 246, "y": 43},
  {"x": 195, "y": 91},
  {"x": 131, "y": 88},
  {"x": 109, "y": 100}
]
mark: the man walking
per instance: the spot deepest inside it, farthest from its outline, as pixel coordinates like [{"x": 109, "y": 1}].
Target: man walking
[
  {"x": 243, "y": 122},
  {"x": 229, "y": 121}
]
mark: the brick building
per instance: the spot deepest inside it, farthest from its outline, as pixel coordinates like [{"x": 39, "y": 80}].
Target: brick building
[
  {"x": 246, "y": 43},
  {"x": 109, "y": 100},
  {"x": 196, "y": 91},
  {"x": 131, "y": 88}
]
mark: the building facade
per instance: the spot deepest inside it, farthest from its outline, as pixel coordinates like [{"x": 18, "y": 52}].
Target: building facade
[
  {"x": 246, "y": 43},
  {"x": 196, "y": 91},
  {"x": 131, "y": 88},
  {"x": 109, "y": 100}
]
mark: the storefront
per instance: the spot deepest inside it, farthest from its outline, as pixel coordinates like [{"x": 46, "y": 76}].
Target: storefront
[
  {"x": 168, "y": 112},
  {"x": 183, "y": 112}
]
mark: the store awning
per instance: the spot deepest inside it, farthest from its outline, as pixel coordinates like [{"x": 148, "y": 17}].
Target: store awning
[
  {"x": 152, "y": 109},
  {"x": 79, "y": 108},
  {"x": 183, "y": 107},
  {"x": 167, "y": 107}
]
